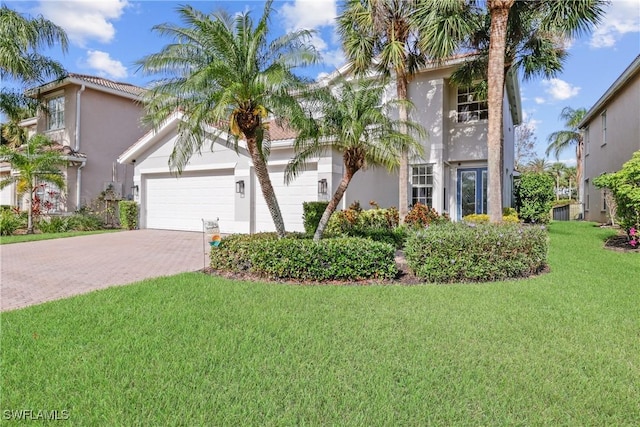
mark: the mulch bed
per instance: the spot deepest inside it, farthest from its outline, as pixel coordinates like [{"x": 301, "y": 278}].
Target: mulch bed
[{"x": 620, "y": 243}]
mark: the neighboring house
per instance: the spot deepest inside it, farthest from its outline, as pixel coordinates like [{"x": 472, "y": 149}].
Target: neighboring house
[
  {"x": 611, "y": 136},
  {"x": 222, "y": 184},
  {"x": 93, "y": 120}
]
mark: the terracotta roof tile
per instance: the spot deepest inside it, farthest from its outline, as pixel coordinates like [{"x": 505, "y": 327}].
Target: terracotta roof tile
[{"x": 122, "y": 87}]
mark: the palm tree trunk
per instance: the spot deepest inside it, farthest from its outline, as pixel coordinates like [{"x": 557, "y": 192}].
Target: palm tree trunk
[
  {"x": 499, "y": 10},
  {"x": 403, "y": 173},
  {"x": 265, "y": 185},
  {"x": 30, "y": 211},
  {"x": 333, "y": 204}
]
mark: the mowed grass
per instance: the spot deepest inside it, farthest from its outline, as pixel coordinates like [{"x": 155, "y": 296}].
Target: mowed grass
[
  {"x": 19, "y": 238},
  {"x": 559, "y": 349}
]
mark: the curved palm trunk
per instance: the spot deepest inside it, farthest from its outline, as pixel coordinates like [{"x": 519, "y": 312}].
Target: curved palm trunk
[
  {"x": 265, "y": 185},
  {"x": 499, "y": 10},
  {"x": 333, "y": 204},
  {"x": 403, "y": 173}
]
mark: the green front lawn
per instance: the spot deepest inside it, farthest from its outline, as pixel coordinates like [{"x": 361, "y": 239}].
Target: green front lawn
[
  {"x": 560, "y": 349},
  {"x": 19, "y": 238}
]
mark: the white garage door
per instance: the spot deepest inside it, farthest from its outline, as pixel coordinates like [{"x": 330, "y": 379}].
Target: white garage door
[
  {"x": 290, "y": 197},
  {"x": 181, "y": 203}
]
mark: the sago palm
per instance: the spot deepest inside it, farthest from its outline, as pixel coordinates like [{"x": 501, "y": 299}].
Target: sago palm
[
  {"x": 571, "y": 135},
  {"x": 384, "y": 35},
  {"x": 355, "y": 122},
  {"x": 224, "y": 73},
  {"x": 35, "y": 162}
]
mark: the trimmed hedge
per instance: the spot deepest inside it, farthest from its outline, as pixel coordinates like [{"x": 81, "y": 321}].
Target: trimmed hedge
[
  {"x": 534, "y": 197},
  {"x": 509, "y": 215},
  {"x": 128, "y": 211},
  {"x": 459, "y": 252},
  {"x": 295, "y": 258}
]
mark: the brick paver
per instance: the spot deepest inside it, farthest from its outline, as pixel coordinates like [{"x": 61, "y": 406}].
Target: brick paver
[{"x": 35, "y": 272}]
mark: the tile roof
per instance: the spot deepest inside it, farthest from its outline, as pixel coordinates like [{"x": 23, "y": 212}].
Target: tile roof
[
  {"x": 279, "y": 133},
  {"x": 100, "y": 81}
]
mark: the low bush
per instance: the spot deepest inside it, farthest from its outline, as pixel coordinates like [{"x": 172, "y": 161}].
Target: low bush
[
  {"x": 509, "y": 215},
  {"x": 377, "y": 224},
  {"x": 128, "y": 211},
  {"x": 311, "y": 214},
  {"x": 422, "y": 215},
  {"x": 457, "y": 252},
  {"x": 9, "y": 222},
  {"x": 75, "y": 222},
  {"x": 296, "y": 258},
  {"x": 55, "y": 224}
]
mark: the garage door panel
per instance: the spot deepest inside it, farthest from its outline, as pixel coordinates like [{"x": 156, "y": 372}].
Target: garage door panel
[
  {"x": 181, "y": 203},
  {"x": 290, "y": 198}
]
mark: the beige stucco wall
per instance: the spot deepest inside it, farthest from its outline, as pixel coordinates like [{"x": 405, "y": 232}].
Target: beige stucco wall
[{"x": 622, "y": 140}]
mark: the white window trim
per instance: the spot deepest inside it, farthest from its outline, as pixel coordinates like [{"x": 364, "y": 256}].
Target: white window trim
[
  {"x": 48, "y": 99},
  {"x": 428, "y": 169},
  {"x": 603, "y": 123},
  {"x": 476, "y": 114}
]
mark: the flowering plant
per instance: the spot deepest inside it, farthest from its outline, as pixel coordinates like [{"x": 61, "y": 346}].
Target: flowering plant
[{"x": 634, "y": 237}]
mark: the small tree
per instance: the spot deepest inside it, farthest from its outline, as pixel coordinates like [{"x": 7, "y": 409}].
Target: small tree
[
  {"x": 534, "y": 197},
  {"x": 35, "y": 162},
  {"x": 625, "y": 188}
]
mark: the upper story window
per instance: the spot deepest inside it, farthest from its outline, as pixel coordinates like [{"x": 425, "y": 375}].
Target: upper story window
[
  {"x": 422, "y": 185},
  {"x": 55, "y": 113},
  {"x": 603, "y": 119},
  {"x": 587, "y": 142},
  {"x": 471, "y": 107}
]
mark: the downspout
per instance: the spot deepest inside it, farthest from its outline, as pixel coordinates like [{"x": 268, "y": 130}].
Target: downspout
[{"x": 77, "y": 148}]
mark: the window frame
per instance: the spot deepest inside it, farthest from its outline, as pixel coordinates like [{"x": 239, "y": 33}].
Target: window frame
[
  {"x": 55, "y": 107},
  {"x": 426, "y": 198},
  {"x": 603, "y": 123},
  {"x": 480, "y": 112}
]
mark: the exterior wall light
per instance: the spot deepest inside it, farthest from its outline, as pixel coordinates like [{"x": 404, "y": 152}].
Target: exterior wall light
[
  {"x": 135, "y": 190},
  {"x": 240, "y": 187},
  {"x": 322, "y": 186}
]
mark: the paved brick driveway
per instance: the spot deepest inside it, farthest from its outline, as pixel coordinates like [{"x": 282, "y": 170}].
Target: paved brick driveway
[{"x": 35, "y": 272}]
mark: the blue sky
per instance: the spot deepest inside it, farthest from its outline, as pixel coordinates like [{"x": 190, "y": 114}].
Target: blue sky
[{"x": 108, "y": 36}]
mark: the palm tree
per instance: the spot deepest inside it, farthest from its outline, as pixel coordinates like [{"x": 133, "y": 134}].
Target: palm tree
[
  {"x": 35, "y": 162},
  {"x": 20, "y": 40},
  {"x": 384, "y": 34},
  {"x": 557, "y": 171},
  {"x": 571, "y": 135},
  {"x": 537, "y": 165},
  {"x": 514, "y": 35},
  {"x": 223, "y": 71},
  {"x": 571, "y": 175},
  {"x": 355, "y": 122}
]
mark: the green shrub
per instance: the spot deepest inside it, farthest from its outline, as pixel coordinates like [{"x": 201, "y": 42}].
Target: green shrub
[
  {"x": 457, "y": 252},
  {"x": 128, "y": 214},
  {"x": 509, "y": 215},
  {"x": 85, "y": 222},
  {"x": 312, "y": 212},
  {"x": 55, "y": 224},
  {"x": 394, "y": 237},
  {"x": 376, "y": 224},
  {"x": 534, "y": 197},
  {"x": 9, "y": 222},
  {"x": 296, "y": 258},
  {"x": 422, "y": 215},
  {"x": 625, "y": 187}
]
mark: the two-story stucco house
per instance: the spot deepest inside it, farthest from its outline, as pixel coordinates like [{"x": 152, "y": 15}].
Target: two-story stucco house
[
  {"x": 451, "y": 177},
  {"x": 93, "y": 120},
  {"x": 611, "y": 135}
]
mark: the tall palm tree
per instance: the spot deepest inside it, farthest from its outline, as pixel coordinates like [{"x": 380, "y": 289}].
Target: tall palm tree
[
  {"x": 35, "y": 162},
  {"x": 384, "y": 35},
  {"x": 355, "y": 122},
  {"x": 223, "y": 71},
  {"x": 20, "y": 40},
  {"x": 557, "y": 171},
  {"x": 514, "y": 35},
  {"x": 571, "y": 175},
  {"x": 537, "y": 165},
  {"x": 571, "y": 135}
]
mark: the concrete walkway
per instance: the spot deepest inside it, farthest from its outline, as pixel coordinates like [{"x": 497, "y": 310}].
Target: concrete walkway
[{"x": 35, "y": 272}]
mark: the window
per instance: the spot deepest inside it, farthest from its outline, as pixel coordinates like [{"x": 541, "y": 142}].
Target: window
[
  {"x": 470, "y": 106},
  {"x": 48, "y": 195},
  {"x": 603, "y": 118},
  {"x": 604, "y": 200},
  {"x": 422, "y": 185},
  {"x": 55, "y": 113},
  {"x": 586, "y": 193},
  {"x": 586, "y": 141}
]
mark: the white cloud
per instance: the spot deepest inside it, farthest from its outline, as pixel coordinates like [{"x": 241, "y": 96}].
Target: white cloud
[
  {"x": 105, "y": 65},
  {"x": 84, "y": 20},
  {"x": 309, "y": 14},
  {"x": 559, "y": 89},
  {"x": 623, "y": 16},
  {"x": 539, "y": 100},
  {"x": 314, "y": 15}
]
